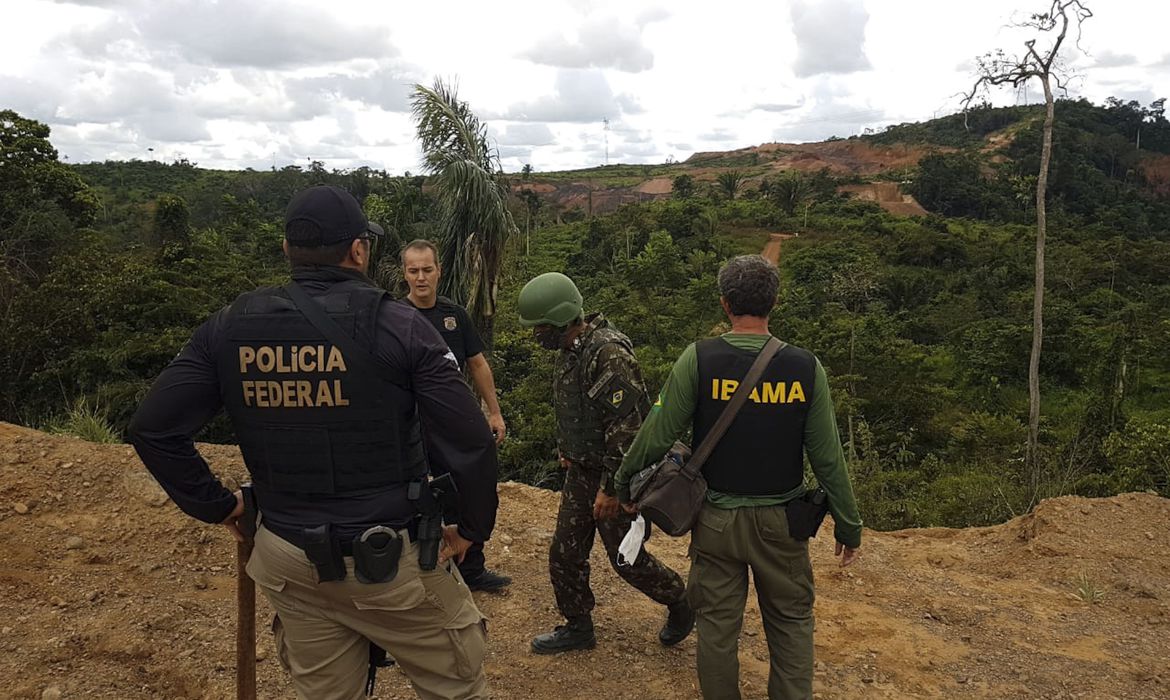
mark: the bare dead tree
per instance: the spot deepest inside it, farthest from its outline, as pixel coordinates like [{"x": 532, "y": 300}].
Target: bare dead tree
[{"x": 999, "y": 69}]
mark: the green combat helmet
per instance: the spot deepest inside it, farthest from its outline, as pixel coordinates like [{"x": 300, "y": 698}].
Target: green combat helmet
[{"x": 549, "y": 299}]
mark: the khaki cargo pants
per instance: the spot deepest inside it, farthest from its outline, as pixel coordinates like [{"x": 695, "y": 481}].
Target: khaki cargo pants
[
  {"x": 724, "y": 545},
  {"x": 426, "y": 620}
]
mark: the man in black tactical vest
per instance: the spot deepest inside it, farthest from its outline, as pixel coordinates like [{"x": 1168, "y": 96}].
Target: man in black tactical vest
[
  {"x": 755, "y": 478},
  {"x": 326, "y": 382}
]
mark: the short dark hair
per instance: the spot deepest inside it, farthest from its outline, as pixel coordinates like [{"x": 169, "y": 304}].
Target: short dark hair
[
  {"x": 749, "y": 284},
  {"x": 332, "y": 254},
  {"x": 418, "y": 244}
]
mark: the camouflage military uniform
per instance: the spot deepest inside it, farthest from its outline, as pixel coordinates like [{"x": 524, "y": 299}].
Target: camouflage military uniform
[{"x": 600, "y": 401}]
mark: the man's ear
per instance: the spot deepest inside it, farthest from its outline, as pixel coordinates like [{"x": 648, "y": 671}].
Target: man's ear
[
  {"x": 726, "y": 308},
  {"x": 284, "y": 247},
  {"x": 357, "y": 253}
]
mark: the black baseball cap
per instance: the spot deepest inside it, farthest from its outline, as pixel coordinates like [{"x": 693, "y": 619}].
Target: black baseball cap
[{"x": 332, "y": 214}]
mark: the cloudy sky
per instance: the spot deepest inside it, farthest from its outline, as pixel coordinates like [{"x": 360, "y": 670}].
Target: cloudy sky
[{"x": 253, "y": 83}]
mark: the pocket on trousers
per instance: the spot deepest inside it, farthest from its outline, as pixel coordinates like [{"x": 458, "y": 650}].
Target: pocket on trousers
[
  {"x": 279, "y": 642},
  {"x": 272, "y": 583},
  {"x": 467, "y": 631},
  {"x": 714, "y": 518},
  {"x": 695, "y": 582},
  {"x": 773, "y": 524},
  {"x": 409, "y": 595}
]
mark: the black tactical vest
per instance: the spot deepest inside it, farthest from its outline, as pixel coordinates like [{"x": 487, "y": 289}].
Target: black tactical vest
[
  {"x": 762, "y": 452},
  {"x": 309, "y": 419}
]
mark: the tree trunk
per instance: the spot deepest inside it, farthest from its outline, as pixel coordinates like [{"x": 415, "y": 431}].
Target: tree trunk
[
  {"x": 1038, "y": 295},
  {"x": 852, "y": 397}
]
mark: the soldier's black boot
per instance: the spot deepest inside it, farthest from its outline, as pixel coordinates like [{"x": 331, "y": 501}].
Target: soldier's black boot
[
  {"x": 680, "y": 620},
  {"x": 488, "y": 581},
  {"x": 577, "y": 633}
]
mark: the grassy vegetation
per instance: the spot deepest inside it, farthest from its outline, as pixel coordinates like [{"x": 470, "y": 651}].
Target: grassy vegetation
[{"x": 85, "y": 421}]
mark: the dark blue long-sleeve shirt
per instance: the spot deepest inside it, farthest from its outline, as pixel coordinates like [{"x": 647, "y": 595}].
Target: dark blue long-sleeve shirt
[{"x": 186, "y": 395}]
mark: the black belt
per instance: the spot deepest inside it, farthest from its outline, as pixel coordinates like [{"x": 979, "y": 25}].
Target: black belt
[{"x": 345, "y": 544}]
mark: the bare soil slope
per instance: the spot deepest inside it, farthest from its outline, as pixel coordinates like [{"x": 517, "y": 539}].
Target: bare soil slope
[{"x": 108, "y": 591}]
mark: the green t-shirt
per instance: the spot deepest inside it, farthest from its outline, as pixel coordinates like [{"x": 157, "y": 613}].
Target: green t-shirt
[{"x": 672, "y": 415}]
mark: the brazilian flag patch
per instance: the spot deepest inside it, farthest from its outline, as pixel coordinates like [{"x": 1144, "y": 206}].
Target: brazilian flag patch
[{"x": 615, "y": 394}]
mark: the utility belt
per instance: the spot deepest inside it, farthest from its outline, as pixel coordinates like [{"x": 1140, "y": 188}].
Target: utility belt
[{"x": 376, "y": 550}]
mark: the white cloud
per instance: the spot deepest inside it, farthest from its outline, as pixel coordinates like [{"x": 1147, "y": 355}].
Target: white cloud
[
  {"x": 535, "y": 134},
  {"x": 776, "y": 107},
  {"x": 830, "y": 36},
  {"x": 578, "y": 96},
  {"x": 236, "y": 83},
  {"x": 600, "y": 42},
  {"x": 1112, "y": 59},
  {"x": 388, "y": 88},
  {"x": 261, "y": 33},
  {"x": 719, "y": 134}
]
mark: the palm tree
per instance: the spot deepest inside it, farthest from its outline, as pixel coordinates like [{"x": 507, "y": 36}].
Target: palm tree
[
  {"x": 474, "y": 221},
  {"x": 729, "y": 181}
]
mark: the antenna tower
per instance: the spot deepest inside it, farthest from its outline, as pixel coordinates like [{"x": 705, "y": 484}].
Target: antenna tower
[{"x": 606, "y": 129}]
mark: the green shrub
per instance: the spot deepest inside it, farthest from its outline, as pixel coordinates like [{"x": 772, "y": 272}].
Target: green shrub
[{"x": 84, "y": 421}]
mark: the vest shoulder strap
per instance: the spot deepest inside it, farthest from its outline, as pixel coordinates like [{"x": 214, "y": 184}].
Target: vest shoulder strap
[{"x": 336, "y": 335}]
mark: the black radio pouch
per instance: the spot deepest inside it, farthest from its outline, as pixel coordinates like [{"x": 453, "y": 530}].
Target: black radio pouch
[
  {"x": 375, "y": 555},
  {"x": 805, "y": 514},
  {"x": 322, "y": 548}
]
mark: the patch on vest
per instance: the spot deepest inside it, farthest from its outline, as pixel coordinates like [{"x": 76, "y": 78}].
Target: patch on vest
[
  {"x": 765, "y": 392},
  {"x": 449, "y": 323},
  {"x": 614, "y": 393},
  {"x": 271, "y": 391}
]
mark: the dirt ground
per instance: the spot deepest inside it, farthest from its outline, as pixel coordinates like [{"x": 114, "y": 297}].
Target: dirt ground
[{"x": 108, "y": 591}]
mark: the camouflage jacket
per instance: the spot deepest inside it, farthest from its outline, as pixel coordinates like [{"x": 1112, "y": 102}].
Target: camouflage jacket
[{"x": 600, "y": 398}]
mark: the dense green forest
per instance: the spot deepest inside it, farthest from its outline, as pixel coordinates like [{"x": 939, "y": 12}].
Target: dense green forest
[{"x": 923, "y": 323}]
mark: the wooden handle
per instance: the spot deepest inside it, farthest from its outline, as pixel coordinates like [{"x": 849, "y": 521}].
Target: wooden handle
[{"x": 245, "y": 626}]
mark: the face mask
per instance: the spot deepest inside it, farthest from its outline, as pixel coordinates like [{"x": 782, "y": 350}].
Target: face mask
[{"x": 548, "y": 337}]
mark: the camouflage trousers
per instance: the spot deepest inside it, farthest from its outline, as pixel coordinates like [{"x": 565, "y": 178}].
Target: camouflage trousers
[{"x": 568, "y": 557}]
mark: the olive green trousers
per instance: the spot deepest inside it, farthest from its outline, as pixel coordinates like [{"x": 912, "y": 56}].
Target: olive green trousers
[{"x": 724, "y": 545}]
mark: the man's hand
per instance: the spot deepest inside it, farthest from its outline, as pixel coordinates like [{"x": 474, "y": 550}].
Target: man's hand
[
  {"x": 496, "y": 423},
  {"x": 454, "y": 546},
  {"x": 231, "y": 521},
  {"x": 848, "y": 554},
  {"x": 604, "y": 507},
  {"x": 631, "y": 508},
  {"x": 564, "y": 461}
]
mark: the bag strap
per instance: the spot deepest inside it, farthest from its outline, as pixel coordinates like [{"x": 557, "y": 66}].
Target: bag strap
[
  {"x": 695, "y": 464},
  {"x": 354, "y": 352}
]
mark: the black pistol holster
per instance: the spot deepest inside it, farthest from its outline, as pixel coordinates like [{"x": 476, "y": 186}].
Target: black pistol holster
[
  {"x": 430, "y": 500},
  {"x": 806, "y": 513},
  {"x": 375, "y": 555},
  {"x": 323, "y": 549}
]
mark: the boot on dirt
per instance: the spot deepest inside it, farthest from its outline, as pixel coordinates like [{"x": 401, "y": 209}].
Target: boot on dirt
[
  {"x": 680, "y": 620},
  {"x": 577, "y": 633},
  {"x": 488, "y": 581}
]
